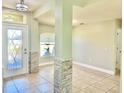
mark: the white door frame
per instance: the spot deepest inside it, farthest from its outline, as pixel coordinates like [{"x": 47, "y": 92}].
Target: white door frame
[{"x": 10, "y": 73}]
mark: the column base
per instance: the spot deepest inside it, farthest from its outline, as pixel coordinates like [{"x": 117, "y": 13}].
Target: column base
[
  {"x": 34, "y": 63},
  {"x": 63, "y": 76}
]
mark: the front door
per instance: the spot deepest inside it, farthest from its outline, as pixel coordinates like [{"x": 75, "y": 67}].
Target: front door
[{"x": 15, "y": 49}]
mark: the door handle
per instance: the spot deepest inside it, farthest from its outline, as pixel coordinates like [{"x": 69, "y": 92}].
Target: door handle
[{"x": 25, "y": 51}]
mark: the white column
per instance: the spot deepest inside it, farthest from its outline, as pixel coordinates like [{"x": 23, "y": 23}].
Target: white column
[
  {"x": 34, "y": 44},
  {"x": 63, "y": 47}
]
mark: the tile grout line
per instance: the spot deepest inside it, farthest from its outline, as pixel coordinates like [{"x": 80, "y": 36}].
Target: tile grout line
[
  {"x": 45, "y": 79},
  {"x": 15, "y": 85}
]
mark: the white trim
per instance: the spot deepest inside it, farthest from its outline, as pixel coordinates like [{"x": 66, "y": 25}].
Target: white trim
[
  {"x": 47, "y": 63},
  {"x": 96, "y": 68}
]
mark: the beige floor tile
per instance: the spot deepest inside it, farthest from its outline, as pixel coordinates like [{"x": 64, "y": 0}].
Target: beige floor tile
[
  {"x": 50, "y": 79},
  {"x": 31, "y": 90},
  {"x": 110, "y": 81},
  {"x": 32, "y": 77},
  {"x": 89, "y": 81},
  {"x": 91, "y": 89},
  {"x": 100, "y": 73},
  {"x": 115, "y": 89},
  {"x": 116, "y": 78},
  {"x": 81, "y": 92},
  {"x": 9, "y": 87},
  {"x": 46, "y": 88},
  {"x": 97, "y": 77},
  {"x": 47, "y": 74},
  {"x": 75, "y": 90},
  {"x": 22, "y": 83},
  {"x": 36, "y": 80},
  {"x": 105, "y": 86},
  {"x": 80, "y": 84}
]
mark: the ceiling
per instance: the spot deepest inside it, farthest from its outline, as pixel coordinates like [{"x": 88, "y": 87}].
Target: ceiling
[
  {"x": 35, "y": 4},
  {"x": 98, "y": 11},
  {"x": 84, "y": 11}
]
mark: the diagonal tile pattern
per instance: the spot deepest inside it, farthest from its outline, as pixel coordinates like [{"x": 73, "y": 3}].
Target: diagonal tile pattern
[{"x": 84, "y": 81}]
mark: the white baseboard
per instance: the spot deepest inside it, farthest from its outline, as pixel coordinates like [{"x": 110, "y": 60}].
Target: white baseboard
[
  {"x": 47, "y": 63},
  {"x": 96, "y": 68}
]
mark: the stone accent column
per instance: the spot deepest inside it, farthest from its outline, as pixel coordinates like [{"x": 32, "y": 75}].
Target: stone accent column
[
  {"x": 63, "y": 76},
  {"x": 34, "y": 63},
  {"x": 63, "y": 47}
]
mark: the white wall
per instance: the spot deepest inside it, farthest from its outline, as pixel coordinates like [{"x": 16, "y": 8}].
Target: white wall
[
  {"x": 46, "y": 30},
  {"x": 35, "y": 36},
  {"x": 94, "y": 44}
]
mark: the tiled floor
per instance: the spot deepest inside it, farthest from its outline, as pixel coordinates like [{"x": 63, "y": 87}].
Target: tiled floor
[{"x": 84, "y": 81}]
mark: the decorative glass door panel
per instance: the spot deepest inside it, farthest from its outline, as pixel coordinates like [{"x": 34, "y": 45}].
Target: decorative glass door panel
[
  {"x": 14, "y": 49},
  {"x": 15, "y": 53}
]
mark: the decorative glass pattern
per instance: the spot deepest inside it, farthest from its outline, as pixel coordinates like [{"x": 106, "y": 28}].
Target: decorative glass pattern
[{"x": 14, "y": 49}]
